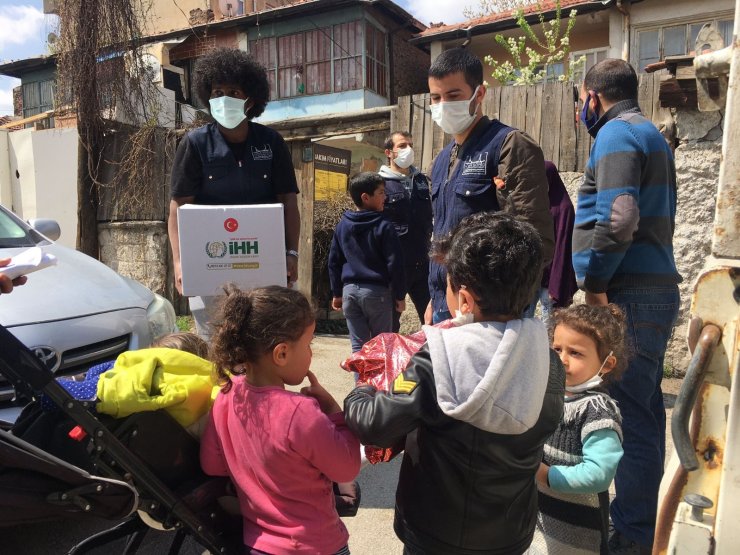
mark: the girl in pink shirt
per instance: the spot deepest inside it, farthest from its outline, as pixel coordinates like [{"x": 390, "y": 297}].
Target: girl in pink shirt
[{"x": 282, "y": 449}]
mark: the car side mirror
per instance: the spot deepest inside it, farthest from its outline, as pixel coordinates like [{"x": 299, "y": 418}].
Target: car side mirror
[{"x": 48, "y": 228}]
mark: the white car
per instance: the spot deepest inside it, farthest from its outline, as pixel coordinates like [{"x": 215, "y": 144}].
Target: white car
[{"x": 76, "y": 314}]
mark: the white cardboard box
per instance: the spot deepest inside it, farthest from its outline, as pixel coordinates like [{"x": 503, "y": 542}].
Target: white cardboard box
[{"x": 240, "y": 244}]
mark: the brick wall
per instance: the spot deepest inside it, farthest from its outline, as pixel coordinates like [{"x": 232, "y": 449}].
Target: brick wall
[
  {"x": 18, "y": 101},
  {"x": 194, "y": 47},
  {"x": 409, "y": 66}
]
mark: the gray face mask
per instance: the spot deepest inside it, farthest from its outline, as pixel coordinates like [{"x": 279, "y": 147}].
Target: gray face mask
[{"x": 594, "y": 381}]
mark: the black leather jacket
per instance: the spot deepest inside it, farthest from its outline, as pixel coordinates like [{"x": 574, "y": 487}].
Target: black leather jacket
[{"x": 461, "y": 490}]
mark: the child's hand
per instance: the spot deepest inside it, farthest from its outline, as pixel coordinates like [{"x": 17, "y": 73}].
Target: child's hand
[
  {"x": 326, "y": 402},
  {"x": 336, "y": 303},
  {"x": 541, "y": 475},
  {"x": 400, "y": 306}
]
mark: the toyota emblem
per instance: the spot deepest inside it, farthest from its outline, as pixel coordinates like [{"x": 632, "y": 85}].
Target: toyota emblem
[{"x": 48, "y": 356}]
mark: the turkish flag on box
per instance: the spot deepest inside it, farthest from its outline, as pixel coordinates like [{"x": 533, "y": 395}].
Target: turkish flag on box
[{"x": 240, "y": 244}]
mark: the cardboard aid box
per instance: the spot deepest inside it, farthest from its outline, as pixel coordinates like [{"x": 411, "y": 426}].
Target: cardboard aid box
[{"x": 240, "y": 244}]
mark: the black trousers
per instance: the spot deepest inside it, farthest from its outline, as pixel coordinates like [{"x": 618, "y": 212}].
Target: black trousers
[{"x": 417, "y": 285}]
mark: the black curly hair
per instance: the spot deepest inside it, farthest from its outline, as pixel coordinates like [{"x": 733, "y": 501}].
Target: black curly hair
[
  {"x": 497, "y": 257},
  {"x": 234, "y": 67}
]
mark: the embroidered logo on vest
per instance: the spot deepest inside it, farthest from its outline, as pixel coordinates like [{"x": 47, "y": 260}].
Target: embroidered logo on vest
[
  {"x": 477, "y": 166},
  {"x": 264, "y": 153}
]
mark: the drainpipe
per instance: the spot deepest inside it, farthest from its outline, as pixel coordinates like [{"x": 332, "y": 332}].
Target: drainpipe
[{"x": 625, "y": 30}]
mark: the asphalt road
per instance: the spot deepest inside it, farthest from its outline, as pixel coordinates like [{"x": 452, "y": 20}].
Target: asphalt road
[{"x": 371, "y": 530}]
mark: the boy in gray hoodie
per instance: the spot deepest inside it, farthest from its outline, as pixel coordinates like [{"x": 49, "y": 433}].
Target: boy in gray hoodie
[{"x": 475, "y": 404}]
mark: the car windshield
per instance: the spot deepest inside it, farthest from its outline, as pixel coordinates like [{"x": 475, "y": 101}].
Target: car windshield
[{"x": 13, "y": 234}]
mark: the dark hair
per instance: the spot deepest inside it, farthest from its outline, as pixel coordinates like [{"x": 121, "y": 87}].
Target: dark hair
[
  {"x": 613, "y": 79},
  {"x": 252, "y": 323},
  {"x": 604, "y": 324},
  {"x": 234, "y": 67},
  {"x": 183, "y": 341},
  {"x": 458, "y": 60},
  {"x": 388, "y": 145},
  {"x": 497, "y": 257},
  {"x": 365, "y": 182}
]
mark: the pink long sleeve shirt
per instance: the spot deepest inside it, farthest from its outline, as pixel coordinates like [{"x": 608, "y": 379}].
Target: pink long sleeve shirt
[{"x": 283, "y": 454}]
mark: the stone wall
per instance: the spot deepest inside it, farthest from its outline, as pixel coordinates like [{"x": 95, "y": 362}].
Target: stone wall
[
  {"x": 698, "y": 155},
  {"x": 138, "y": 250}
]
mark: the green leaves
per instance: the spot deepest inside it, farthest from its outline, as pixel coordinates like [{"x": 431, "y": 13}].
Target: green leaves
[{"x": 531, "y": 54}]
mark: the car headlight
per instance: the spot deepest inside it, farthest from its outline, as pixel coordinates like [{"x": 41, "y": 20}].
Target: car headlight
[{"x": 161, "y": 317}]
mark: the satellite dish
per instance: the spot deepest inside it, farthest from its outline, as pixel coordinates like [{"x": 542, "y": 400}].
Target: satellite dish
[
  {"x": 51, "y": 38},
  {"x": 152, "y": 67}
]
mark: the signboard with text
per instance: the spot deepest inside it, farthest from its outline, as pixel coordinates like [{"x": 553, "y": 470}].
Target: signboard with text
[{"x": 331, "y": 171}]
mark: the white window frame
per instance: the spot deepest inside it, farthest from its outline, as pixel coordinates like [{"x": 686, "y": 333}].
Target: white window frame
[{"x": 573, "y": 56}]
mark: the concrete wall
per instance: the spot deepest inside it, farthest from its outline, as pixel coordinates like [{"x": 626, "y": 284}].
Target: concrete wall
[
  {"x": 698, "y": 159},
  {"x": 169, "y": 16},
  {"x": 137, "y": 250},
  {"x": 42, "y": 172}
]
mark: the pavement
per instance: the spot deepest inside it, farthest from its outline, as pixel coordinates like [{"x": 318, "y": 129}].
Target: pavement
[{"x": 371, "y": 530}]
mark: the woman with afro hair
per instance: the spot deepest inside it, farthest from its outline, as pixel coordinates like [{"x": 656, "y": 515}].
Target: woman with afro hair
[{"x": 233, "y": 160}]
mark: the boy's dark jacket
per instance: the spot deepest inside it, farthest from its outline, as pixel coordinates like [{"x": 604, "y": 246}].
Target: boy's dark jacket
[
  {"x": 366, "y": 249},
  {"x": 476, "y": 405}
]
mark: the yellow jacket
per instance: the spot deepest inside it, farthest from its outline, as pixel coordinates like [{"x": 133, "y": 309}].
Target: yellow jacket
[{"x": 152, "y": 379}]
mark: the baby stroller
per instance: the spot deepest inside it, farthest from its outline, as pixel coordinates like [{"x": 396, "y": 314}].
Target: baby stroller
[{"x": 143, "y": 468}]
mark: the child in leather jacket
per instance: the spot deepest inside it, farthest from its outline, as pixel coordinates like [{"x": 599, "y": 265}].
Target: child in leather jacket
[{"x": 475, "y": 404}]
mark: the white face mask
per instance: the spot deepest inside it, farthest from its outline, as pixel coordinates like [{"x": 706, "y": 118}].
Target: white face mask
[
  {"x": 404, "y": 158},
  {"x": 455, "y": 117},
  {"x": 228, "y": 111},
  {"x": 460, "y": 318},
  {"x": 594, "y": 381}
]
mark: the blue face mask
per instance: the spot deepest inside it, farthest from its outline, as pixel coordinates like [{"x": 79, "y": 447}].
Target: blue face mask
[
  {"x": 228, "y": 111},
  {"x": 589, "y": 120}
]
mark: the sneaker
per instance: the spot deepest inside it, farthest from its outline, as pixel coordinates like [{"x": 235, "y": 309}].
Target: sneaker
[{"x": 620, "y": 545}]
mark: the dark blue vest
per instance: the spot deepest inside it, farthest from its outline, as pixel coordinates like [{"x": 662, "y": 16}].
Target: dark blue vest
[
  {"x": 469, "y": 190},
  {"x": 411, "y": 215},
  {"x": 227, "y": 180}
]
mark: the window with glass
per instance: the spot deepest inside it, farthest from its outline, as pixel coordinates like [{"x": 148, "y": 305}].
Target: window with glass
[
  {"x": 318, "y": 61},
  {"x": 265, "y": 51},
  {"x": 590, "y": 59},
  {"x": 375, "y": 67},
  {"x": 654, "y": 45},
  {"x": 343, "y": 57},
  {"x": 37, "y": 97},
  {"x": 348, "y": 70}
]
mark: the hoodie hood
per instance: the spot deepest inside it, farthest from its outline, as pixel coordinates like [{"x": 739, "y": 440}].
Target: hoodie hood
[
  {"x": 361, "y": 219},
  {"x": 387, "y": 173},
  {"x": 492, "y": 375}
]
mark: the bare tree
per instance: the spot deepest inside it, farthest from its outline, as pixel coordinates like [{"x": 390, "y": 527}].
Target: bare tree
[{"x": 100, "y": 72}]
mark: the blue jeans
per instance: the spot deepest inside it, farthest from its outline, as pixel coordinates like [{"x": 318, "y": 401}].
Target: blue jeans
[
  {"x": 543, "y": 297},
  {"x": 650, "y": 313},
  {"x": 368, "y": 308}
]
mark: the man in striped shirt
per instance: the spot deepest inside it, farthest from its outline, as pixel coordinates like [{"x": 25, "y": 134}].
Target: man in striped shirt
[{"x": 623, "y": 253}]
